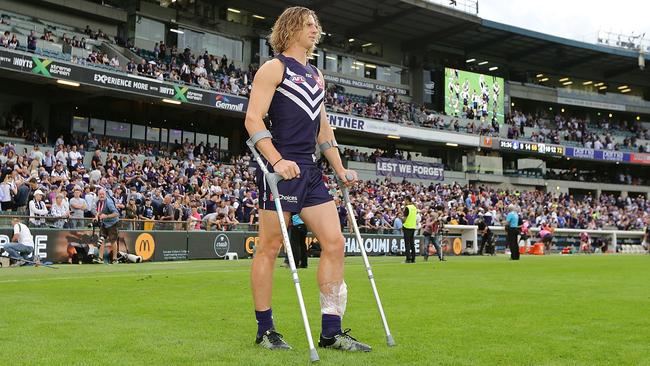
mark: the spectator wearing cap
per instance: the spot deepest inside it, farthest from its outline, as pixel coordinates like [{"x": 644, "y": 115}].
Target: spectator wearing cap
[
  {"x": 78, "y": 206},
  {"x": 37, "y": 209},
  {"x": 146, "y": 211},
  {"x": 59, "y": 174}
]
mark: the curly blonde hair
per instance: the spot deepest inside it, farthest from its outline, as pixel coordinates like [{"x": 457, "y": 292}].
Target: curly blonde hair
[{"x": 289, "y": 23}]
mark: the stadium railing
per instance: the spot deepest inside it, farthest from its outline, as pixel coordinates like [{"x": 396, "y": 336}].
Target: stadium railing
[{"x": 124, "y": 224}]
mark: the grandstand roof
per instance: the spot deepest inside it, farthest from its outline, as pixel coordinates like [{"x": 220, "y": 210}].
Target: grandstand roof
[{"x": 417, "y": 24}]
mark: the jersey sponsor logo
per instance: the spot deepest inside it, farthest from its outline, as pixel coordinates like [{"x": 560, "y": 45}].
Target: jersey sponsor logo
[
  {"x": 298, "y": 79},
  {"x": 290, "y": 199}
]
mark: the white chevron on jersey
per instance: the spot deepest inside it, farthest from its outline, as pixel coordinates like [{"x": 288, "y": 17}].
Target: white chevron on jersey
[
  {"x": 313, "y": 89},
  {"x": 313, "y": 101},
  {"x": 300, "y": 103}
]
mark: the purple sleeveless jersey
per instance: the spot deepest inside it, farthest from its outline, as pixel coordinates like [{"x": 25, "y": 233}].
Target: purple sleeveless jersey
[
  {"x": 295, "y": 123},
  {"x": 295, "y": 111}
]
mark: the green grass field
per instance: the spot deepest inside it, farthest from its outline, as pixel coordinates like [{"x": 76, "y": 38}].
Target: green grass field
[{"x": 576, "y": 310}]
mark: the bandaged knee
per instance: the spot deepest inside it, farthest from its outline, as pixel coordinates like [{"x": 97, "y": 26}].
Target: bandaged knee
[{"x": 334, "y": 299}]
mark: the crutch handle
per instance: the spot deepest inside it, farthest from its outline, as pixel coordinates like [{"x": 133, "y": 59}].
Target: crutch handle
[
  {"x": 271, "y": 178},
  {"x": 344, "y": 189}
]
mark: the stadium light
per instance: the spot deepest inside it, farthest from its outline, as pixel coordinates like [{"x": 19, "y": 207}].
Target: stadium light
[
  {"x": 587, "y": 82},
  {"x": 638, "y": 118},
  {"x": 602, "y": 87},
  {"x": 599, "y": 84},
  {"x": 236, "y": 11},
  {"x": 512, "y": 104},
  {"x": 567, "y": 83},
  {"x": 623, "y": 87},
  {"x": 177, "y": 31},
  {"x": 564, "y": 79},
  {"x": 330, "y": 58},
  {"x": 367, "y": 44},
  {"x": 451, "y": 144},
  {"x": 470, "y": 60},
  {"x": 610, "y": 115},
  {"x": 626, "y": 90},
  {"x": 371, "y": 66},
  {"x": 482, "y": 63},
  {"x": 539, "y": 75},
  {"x": 493, "y": 68},
  {"x": 562, "y": 110},
  {"x": 171, "y": 101},
  {"x": 543, "y": 79},
  {"x": 394, "y": 137},
  {"x": 68, "y": 83},
  {"x": 258, "y": 16},
  {"x": 351, "y": 40}
]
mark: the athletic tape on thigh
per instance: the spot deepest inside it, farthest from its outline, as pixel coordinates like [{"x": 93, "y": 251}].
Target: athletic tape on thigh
[{"x": 335, "y": 300}]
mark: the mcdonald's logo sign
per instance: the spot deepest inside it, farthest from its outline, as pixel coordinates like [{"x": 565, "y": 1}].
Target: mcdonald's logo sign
[
  {"x": 458, "y": 246},
  {"x": 145, "y": 246}
]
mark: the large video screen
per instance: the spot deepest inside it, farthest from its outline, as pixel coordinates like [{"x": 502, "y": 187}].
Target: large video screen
[{"x": 473, "y": 95}]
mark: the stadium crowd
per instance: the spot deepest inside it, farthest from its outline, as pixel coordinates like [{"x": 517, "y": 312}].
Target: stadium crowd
[
  {"x": 204, "y": 70},
  {"x": 199, "y": 193},
  {"x": 559, "y": 129}
]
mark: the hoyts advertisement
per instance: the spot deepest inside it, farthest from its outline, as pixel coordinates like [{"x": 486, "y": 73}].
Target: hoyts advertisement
[{"x": 33, "y": 64}]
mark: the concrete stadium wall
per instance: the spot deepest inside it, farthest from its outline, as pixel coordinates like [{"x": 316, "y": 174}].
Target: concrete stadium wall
[{"x": 63, "y": 17}]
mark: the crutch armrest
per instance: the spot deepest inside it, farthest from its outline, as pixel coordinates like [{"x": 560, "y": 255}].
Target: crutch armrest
[{"x": 252, "y": 141}]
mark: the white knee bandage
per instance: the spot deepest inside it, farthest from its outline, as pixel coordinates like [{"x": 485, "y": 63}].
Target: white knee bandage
[{"x": 334, "y": 299}]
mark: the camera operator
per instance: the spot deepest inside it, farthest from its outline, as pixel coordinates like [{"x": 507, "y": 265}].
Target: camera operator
[
  {"x": 487, "y": 238},
  {"x": 107, "y": 216},
  {"x": 21, "y": 246}
]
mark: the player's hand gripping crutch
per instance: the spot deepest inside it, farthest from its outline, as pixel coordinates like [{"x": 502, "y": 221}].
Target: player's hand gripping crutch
[
  {"x": 272, "y": 179},
  {"x": 348, "y": 205}
]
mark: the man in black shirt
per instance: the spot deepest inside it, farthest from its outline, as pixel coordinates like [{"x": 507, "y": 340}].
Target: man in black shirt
[
  {"x": 487, "y": 238},
  {"x": 22, "y": 196}
]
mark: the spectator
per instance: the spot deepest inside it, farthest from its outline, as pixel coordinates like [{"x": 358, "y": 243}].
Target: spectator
[
  {"x": 60, "y": 210},
  {"x": 4, "y": 39},
  {"x": 37, "y": 209},
  {"x": 31, "y": 41},
  {"x": 13, "y": 43},
  {"x": 78, "y": 206}
]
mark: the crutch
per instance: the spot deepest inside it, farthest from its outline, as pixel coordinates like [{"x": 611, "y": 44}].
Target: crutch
[
  {"x": 348, "y": 204},
  {"x": 272, "y": 179}
]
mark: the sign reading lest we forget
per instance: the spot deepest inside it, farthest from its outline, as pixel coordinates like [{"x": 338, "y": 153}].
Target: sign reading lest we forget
[{"x": 409, "y": 169}]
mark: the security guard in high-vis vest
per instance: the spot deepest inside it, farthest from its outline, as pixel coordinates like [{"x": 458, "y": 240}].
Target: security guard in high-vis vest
[{"x": 410, "y": 222}]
